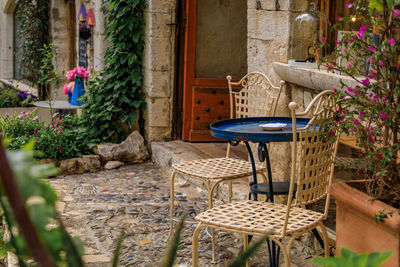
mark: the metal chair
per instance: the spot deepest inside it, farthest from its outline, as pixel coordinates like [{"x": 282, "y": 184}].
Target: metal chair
[
  {"x": 254, "y": 98},
  {"x": 313, "y": 154}
]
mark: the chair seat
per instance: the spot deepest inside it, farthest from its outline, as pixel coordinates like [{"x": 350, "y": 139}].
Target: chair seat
[
  {"x": 257, "y": 217},
  {"x": 280, "y": 188},
  {"x": 217, "y": 168}
]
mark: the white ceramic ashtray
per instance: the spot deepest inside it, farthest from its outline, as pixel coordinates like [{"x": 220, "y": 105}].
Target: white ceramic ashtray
[{"x": 273, "y": 126}]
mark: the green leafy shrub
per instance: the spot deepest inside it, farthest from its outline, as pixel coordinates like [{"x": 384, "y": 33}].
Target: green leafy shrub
[
  {"x": 62, "y": 139},
  {"x": 9, "y": 98},
  {"x": 352, "y": 259},
  {"x": 115, "y": 97},
  {"x": 40, "y": 199}
]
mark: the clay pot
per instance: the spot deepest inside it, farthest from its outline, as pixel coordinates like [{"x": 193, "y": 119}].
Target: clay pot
[{"x": 356, "y": 227}]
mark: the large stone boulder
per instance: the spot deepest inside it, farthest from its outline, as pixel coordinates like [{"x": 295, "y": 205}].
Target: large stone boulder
[
  {"x": 87, "y": 163},
  {"x": 132, "y": 149}
]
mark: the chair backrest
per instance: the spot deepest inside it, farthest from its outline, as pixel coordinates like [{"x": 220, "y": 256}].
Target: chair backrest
[
  {"x": 313, "y": 152},
  {"x": 257, "y": 97}
]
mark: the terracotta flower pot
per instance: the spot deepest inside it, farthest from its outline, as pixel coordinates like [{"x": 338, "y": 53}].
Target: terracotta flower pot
[{"x": 356, "y": 227}]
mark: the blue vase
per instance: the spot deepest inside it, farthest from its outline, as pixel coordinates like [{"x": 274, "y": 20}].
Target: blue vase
[
  {"x": 69, "y": 97},
  {"x": 79, "y": 90}
]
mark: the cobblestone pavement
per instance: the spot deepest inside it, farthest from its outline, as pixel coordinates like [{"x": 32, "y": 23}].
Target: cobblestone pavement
[{"x": 135, "y": 198}]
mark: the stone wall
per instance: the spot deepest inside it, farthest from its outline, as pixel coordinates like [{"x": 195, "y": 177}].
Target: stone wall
[
  {"x": 159, "y": 68},
  {"x": 7, "y": 38},
  {"x": 59, "y": 32},
  {"x": 268, "y": 40}
]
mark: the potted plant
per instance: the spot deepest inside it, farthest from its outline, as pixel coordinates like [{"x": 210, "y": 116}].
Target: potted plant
[{"x": 370, "y": 112}]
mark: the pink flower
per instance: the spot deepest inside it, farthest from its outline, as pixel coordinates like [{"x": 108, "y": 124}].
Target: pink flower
[
  {"x": 350, "y": 90},
  {"x": 337, "y": 42},
  {"x": 330, "y": 67},
  {"x": 348, "y": 5},
  {"x": 360, "y": 50},
  {"x": 383, "y": 116},
  {"x": 356, "y": 122},
  {"x": 391, "y": 41},
  {"x": 379, "y": 156},
  {"x": 362, "y": 114},
  {"x": 344, "y": 50},
  {"x": 365, "y": 82},
  {"x": 35, "y": 118},
  {"x": 361, "y": 31},
  {"x": 384, "y": 99},
  {"x": 21, "y": 115},
  {"x": 339, "y": 18},
  {"x": 374, "y": 99},
  {"x": 334, "y": 90},
  {"x": 396, "y": 12},
  {"x": 371, "y": 48},
  {"x": 371, "y": 60},
  {"x": 371, "y": 137},
  {"x": 65, "y": 88},
  {"x": 36, "y": 140},
  {"x": 349, "y": 66},
  {"x": 381, "y": 63},
  {"x": 61, "y": 147}
]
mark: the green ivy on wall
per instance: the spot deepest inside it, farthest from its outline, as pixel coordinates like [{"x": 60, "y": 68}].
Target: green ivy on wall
[
  {"x": 115, "y": 100},
  {"x": 34, "y": 19}
]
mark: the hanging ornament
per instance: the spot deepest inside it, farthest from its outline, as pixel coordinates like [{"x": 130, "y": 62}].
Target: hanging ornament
[
  {"x": 82, "y": 13},
  {"x": 90, "y": 18}
]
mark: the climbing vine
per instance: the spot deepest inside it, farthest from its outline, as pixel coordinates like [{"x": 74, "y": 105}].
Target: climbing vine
[
  {"x": 34, "y": 19},
  {"x": 115, "y": 100}
]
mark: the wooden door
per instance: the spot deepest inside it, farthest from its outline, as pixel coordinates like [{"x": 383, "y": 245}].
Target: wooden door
[{"x": 215, "y": 46}]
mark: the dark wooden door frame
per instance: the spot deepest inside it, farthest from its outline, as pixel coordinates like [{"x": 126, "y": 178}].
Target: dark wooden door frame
[{"x": 189, "y": 79}]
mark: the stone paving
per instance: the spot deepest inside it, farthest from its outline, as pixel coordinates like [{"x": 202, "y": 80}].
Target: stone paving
[{"x": 135, "y": 198}]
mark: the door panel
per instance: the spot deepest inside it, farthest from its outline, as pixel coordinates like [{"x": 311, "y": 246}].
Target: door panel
[{"x": 215, "y": 46}]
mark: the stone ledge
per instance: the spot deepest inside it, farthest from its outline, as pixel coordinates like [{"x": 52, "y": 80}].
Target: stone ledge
[
  {"x": 311, "y": 78},
  {"x": 20, "y": 86}
]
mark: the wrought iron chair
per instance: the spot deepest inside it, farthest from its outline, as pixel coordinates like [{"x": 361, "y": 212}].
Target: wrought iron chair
[
  {"x": 254, "y": 98},
  {"x": 313, "y": 154}
]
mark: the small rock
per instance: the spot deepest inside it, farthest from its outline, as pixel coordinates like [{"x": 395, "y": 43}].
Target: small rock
[
  {"x": 113, "y": 165},
  {"x": 48, "y": 161},
  {"x": 132, "y": 149},
  {"x": 88, "y": 163}
]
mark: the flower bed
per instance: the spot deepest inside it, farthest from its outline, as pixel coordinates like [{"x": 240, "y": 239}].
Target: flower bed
[{"x": 62, "y": 139}]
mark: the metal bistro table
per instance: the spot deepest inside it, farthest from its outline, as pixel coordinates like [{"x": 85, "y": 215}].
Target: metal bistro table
[{"x": 249, "y": 130}]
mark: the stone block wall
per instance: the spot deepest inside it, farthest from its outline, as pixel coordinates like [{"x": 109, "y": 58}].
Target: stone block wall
[
  {"x": 159, "y": 68},
  {"x": 268, "y": 40},
  {"x": 59, "y": 32},
  {"x": 7, "y": 38}
]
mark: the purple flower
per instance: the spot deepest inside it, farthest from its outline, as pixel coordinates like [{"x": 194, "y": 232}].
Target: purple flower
[
  {"x": 378, "y": 15},
  {"x": 383, "y": 116},
  {"x": 384, "y": 99},
  {"x": 371, "y": 48}
]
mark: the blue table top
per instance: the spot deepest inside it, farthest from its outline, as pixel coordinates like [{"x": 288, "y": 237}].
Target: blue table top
[{"x": 248, "y": 129}]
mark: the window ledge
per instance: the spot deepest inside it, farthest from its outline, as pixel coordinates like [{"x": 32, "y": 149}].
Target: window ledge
[
  {"x": 20, "y": 86},
  {"x": 312, "y": 78}
]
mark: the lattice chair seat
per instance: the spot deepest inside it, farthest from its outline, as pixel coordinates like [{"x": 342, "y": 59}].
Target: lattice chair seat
[
  {"x": 217, "y": 168},
  {"x": 256, "y": 217}
]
